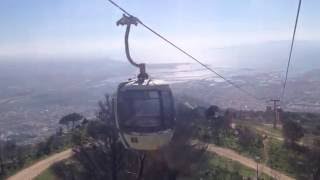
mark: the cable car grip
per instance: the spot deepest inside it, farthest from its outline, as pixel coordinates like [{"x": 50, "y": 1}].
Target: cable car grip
[{"x": 128, "y": 21}]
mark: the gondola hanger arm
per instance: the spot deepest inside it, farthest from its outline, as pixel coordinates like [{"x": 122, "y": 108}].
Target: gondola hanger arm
[{"x": 128, "y": 21}]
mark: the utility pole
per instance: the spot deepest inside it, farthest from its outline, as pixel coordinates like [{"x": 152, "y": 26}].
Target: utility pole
[
  {"x": 275, "y": 101},
  {"x": 257, "y": 170}
]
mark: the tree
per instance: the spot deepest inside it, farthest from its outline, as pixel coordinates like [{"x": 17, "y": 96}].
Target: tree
[
  {"x": 22, "y": 154},
  {"x": 182, "y": 154},
  {"x": 8, "y": 157},
  {"x": 102, "y": 155},
  {"x": 292, "y": 132},
  {"x": 246, "y": 136},
  {"x": 2, "y": 171},
  {"x": 216, "y": 123},
  {"x": 212, "y": 112},
  {"x": 313, "y": 157},
  {"x": 70, "y": 118},
  {"x": 52, "y": 143},
  {"x": 228, "y": 116},
  {"x": 249, "y": 140}
]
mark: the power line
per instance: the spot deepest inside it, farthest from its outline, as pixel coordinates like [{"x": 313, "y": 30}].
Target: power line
[
  {"x": 187, "y": 54},
  {"x": 291, "y": 48}
]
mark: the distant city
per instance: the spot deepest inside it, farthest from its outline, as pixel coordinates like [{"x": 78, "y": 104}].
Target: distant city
[{"x": 35, "y": 95}]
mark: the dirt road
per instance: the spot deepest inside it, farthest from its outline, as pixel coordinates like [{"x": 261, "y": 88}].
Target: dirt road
[
  {"x": 230, "y": 154},
  {"x": 36, "y": 169}
]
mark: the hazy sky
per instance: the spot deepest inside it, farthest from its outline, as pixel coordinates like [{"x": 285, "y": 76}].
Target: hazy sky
[{"x": 86, "y": 28}]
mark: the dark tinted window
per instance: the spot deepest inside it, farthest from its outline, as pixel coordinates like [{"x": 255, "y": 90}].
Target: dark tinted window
[
  {"x": 140, "y": 108},
  {"x": 168, "y": 110}
]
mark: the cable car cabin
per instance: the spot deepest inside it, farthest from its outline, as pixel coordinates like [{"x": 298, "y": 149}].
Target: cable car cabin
[{"x": 144, "y": 114}]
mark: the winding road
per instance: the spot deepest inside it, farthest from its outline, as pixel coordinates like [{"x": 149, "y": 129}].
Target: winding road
[
  {"x": 36, "y": 169},
  {"x": 230, "y": 154}
]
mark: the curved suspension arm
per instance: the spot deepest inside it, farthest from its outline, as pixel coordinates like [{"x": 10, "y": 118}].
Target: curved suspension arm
[
  {"x": 126, "y": 42},
  {"x": 128, "y": 20}
]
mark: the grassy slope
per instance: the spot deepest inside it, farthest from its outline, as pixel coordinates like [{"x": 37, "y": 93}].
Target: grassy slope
[
  {"x": 210, "y": 166},
  {"x": 216, "y": 167},
  {"x": 279, "y": 157},
  {"x": 47, "y": 175}
]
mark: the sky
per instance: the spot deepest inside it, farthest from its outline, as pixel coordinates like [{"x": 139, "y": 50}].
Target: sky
[{"x": 65, "y": 29}]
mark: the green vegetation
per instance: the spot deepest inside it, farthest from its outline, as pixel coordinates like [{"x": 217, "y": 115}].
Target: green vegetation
[
  {"x": 70, "y": 119},
  {"x": 262, "y": 128},
  {"x": 292, "y": 132},
  {"x": 100, "y": 155},
  {"x": 243, "y": 140},
  {"x": 295, "y": 161},
  {"x": 280, "y": 148},
  {"x": 47, "y": 175},
  {"x": 15, "y": 157},
  {"x": 217, "y": 129},
  {"x": 210, "y": 167},
  {"x": 216, "y": 167}
]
